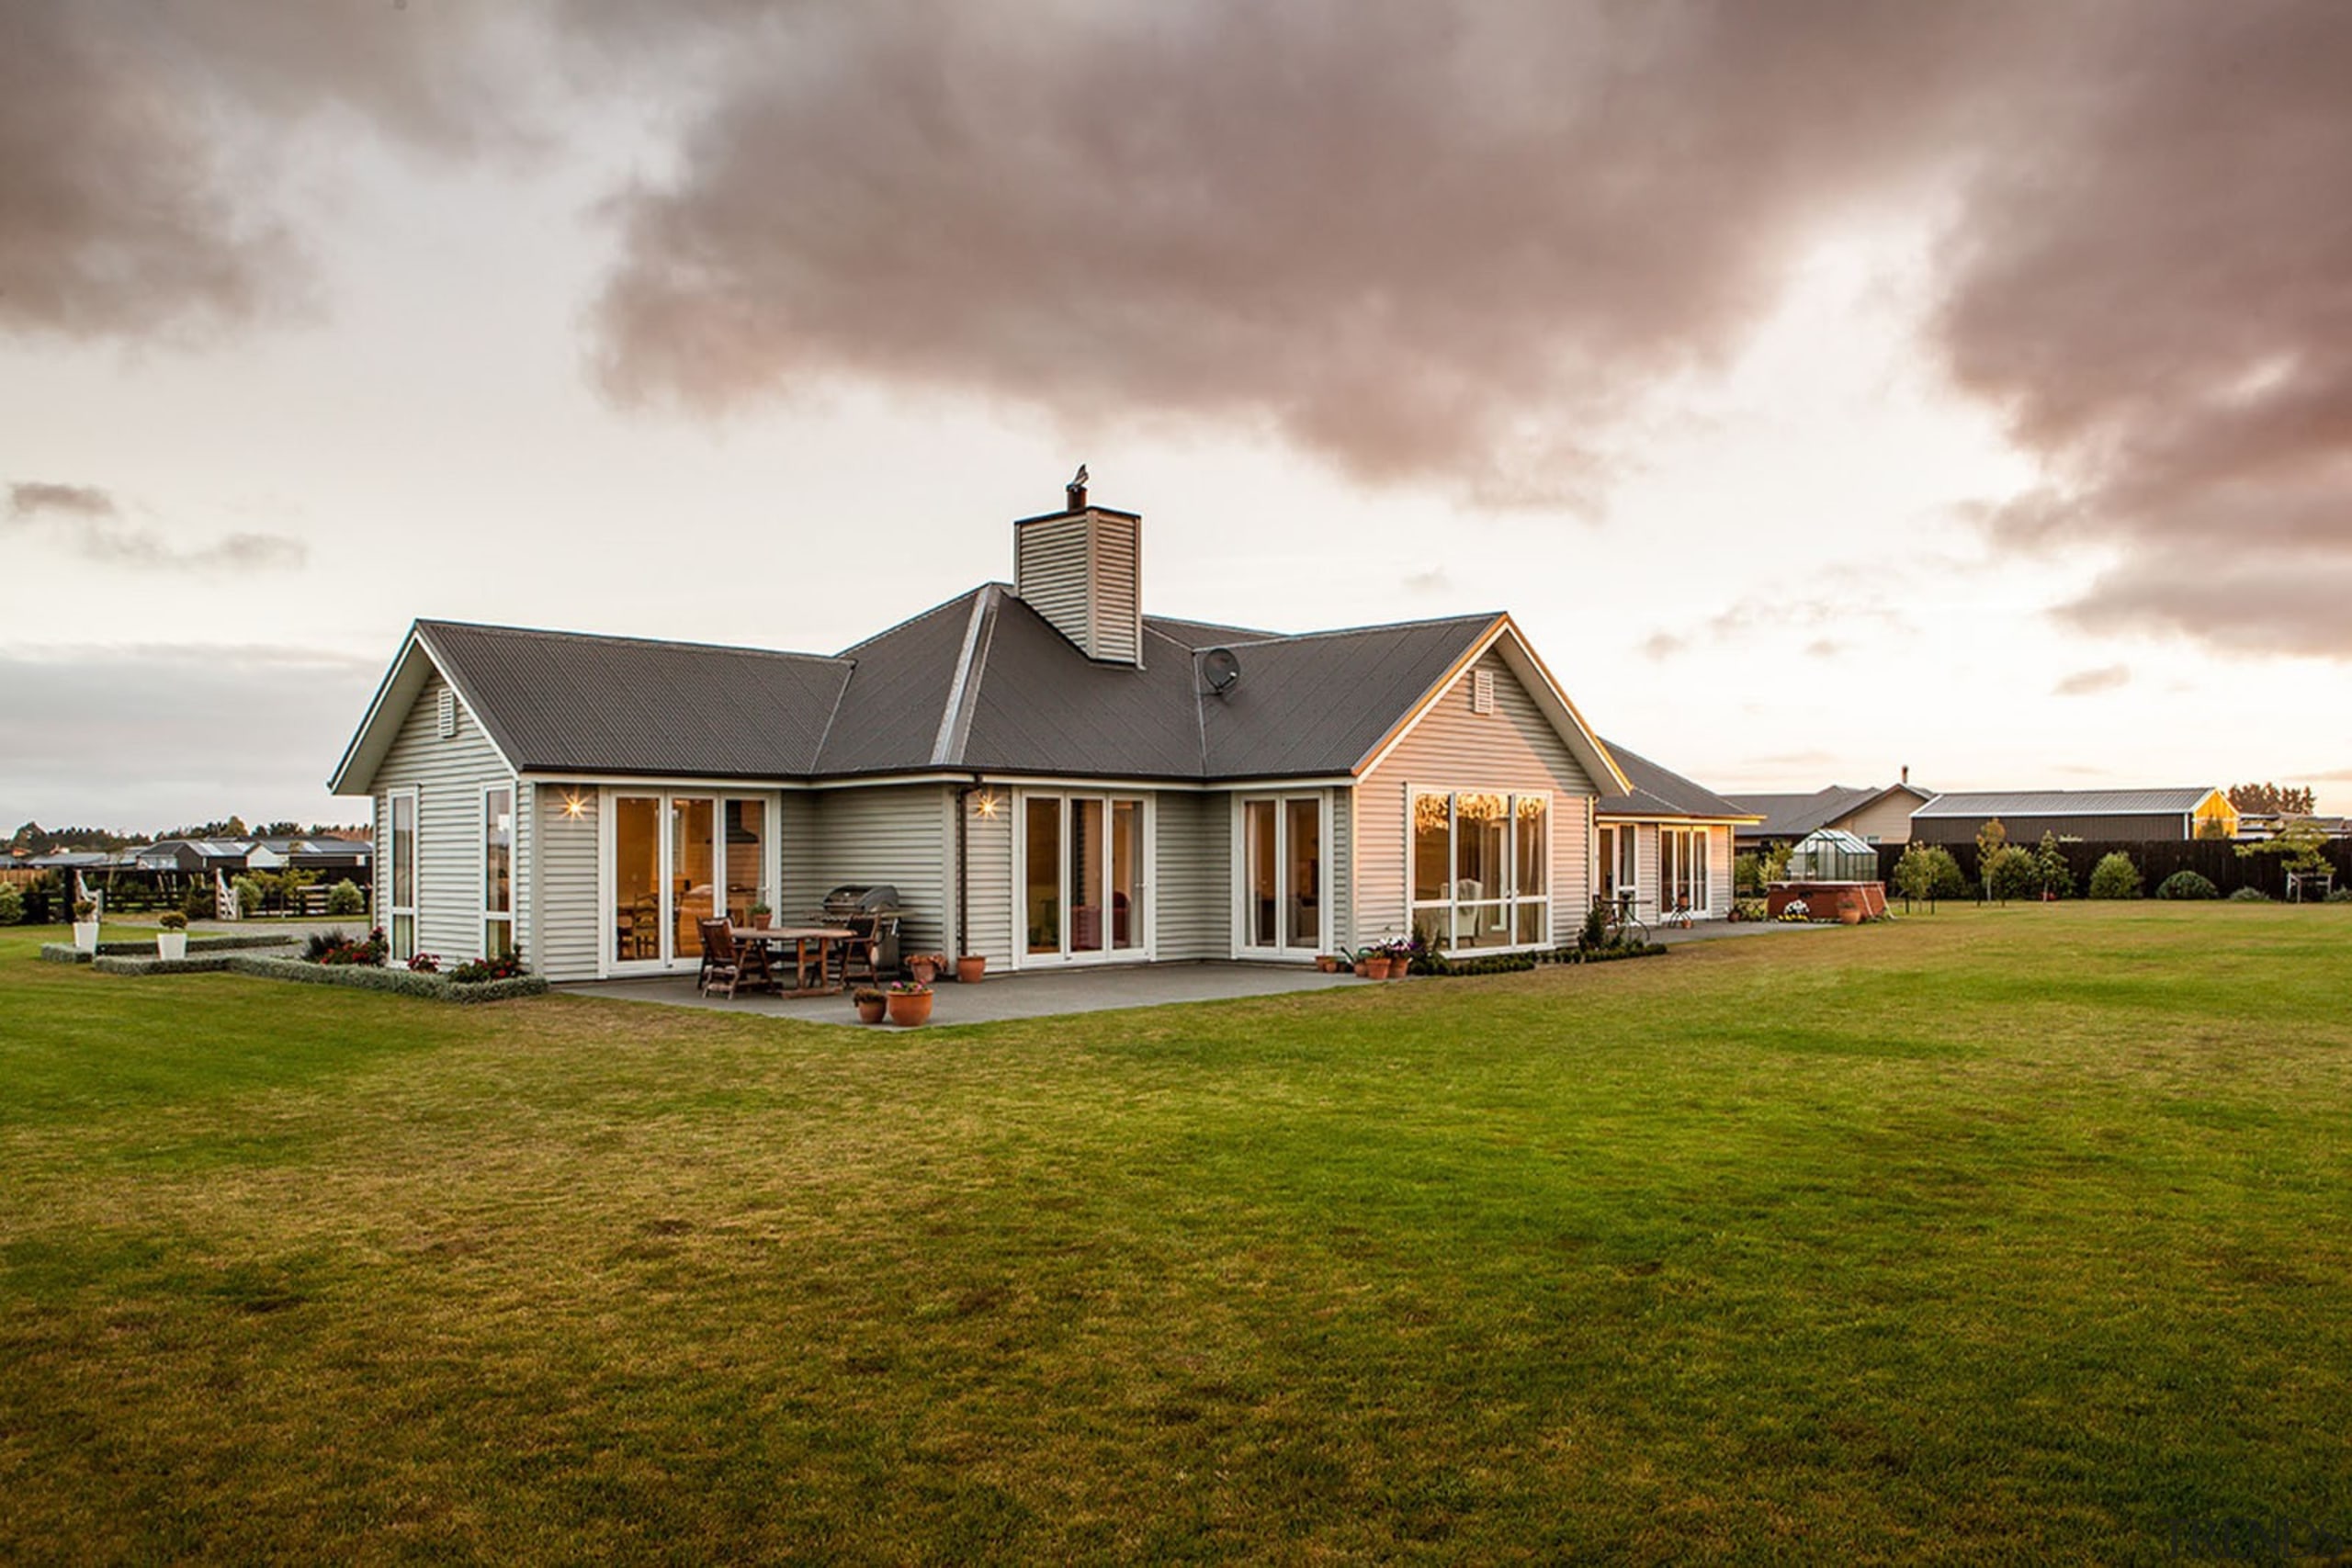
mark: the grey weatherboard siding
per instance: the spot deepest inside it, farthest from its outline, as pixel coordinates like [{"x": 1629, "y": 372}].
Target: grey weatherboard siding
[{"x": 449, "y": 773}]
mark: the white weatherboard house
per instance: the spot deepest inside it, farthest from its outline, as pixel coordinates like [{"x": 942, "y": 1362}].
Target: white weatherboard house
[{"x": 1048, "y": 775}]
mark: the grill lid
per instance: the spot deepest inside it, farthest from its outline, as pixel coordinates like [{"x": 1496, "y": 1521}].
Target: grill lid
[{"x": 863, "y": 897}]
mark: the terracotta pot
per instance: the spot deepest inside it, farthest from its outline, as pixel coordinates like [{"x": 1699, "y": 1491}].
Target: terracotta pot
[
  {"x": 909, "y": 1009},
  {"x": 1362, "y": 969},
  {"x": 970, "y": 967},
  {"x": 1328, "y": 964},
  {"x": 760, "y": 923},
  {"x": 1374, "y": 968},
  {"x": 923, "y": 971},
  {"x": 1399, "y": 967},
  {"x": 871, "y": 1012},
  {"x": 1849, "y": 915}
]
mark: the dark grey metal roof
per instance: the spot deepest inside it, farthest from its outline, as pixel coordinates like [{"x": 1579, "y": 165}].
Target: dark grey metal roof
[
  {"x": 1661, "y": 792},
  {"x": 2065, "y": 802},
  {"x": 979, "y": 684},
  {"x": 558, "y": 701},
  {"x": 1319, "y": 704},
  {"x": 1795, "y": 816}
]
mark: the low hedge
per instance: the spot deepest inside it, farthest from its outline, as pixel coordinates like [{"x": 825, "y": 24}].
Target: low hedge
[
  {"x": 399, "y": 982},
  {"x": 1515, "y": 963}
]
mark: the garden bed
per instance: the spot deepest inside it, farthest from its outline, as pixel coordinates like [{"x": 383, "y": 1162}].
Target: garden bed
[
  {"x": 66, "y": 952},
  {"x": 363, "y": 978}
]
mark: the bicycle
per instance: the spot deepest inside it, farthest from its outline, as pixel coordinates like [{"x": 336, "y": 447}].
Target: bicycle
[{"x": 1625, "y": 927}]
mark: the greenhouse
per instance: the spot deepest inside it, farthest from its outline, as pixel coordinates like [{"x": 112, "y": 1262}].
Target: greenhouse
[{"x": 1833, "y": 855}]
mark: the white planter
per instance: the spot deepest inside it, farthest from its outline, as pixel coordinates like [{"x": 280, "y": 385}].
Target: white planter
[
  {"x": 85, "y": 935},
  {"x": 171, "y": 944}
]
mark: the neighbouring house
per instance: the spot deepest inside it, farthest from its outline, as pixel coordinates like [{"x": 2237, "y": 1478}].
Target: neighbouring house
[
  {"x": 1875, "y": 815},
  {"x": 1669, "y": 841},
  {"x": 1046, "y": 774},
  {"x": 2096, "y": 815}
]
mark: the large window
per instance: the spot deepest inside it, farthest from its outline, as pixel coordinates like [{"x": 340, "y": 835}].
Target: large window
[
  {"x": 401, "y": 905},
  {"x": 497, "y": 870},
  {"x": 1481, "y": 868},
  {"x": 1081, "y": 876},
  {"x": 1682, "y": 869},
  {"x": 1283, "y": 893}
]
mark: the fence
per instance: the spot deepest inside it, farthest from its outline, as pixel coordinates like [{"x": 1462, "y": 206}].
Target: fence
[{"x": 2215, "y": 860}]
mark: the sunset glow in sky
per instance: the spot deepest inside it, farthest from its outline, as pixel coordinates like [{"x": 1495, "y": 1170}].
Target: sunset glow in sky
[{"x": 1827, "y": 388}]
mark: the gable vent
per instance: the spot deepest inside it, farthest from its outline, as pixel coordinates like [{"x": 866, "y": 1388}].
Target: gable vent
[
  {"x": 1482, "y": 691},
  {"x": 445, "y": 720}
]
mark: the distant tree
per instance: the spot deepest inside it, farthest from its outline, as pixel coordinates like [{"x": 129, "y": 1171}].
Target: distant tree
[
  {"x": 1772, "y": 865},
  {"x": 2115, "y": 878},
  {"x": 29, "y": 838},
  {"x": 2301, "y": 845},
  {"x": 279, "y": 831},
  {"x": 1990, "y": 839},
  {"x": 2284, "y": 800},
  {"x": 2012, "y": 872},
  {"x": 2057, "y": 879},
  {"x": 2212, "y": 828},
  {"x": 1915, "y": 874}
]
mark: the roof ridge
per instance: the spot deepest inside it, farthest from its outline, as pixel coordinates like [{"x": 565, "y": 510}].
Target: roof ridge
[
  {"x": 553, "y": 634},
  {"x": 922, "y": 614},
  {"x": 1485, "y": 620}
]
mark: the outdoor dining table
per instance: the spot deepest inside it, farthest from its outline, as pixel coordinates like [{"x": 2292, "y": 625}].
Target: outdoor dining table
[{"x": 812, "y": 949}]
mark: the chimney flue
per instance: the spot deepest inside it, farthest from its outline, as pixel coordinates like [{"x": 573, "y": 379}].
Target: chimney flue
[
  {"x": 1075, "y": 491},
  {"x": 1907, "y": 773}
]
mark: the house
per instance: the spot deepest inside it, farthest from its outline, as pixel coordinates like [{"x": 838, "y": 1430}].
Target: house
[
  {"x": 1669, "y": 841},
  {"x": 2095, "y": 814},
  {"x": 1048, "y": 775},
  {"x": 1875, "y": 815}
]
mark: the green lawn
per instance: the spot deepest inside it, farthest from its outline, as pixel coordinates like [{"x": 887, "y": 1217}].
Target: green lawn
[{"x": 2006, "y": 1235}]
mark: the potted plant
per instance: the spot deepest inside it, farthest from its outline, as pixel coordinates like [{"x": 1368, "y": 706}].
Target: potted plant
[
  {"x": 171, "y": 941},
  {"x": 1372, "y": 963},
  {"x": 1400, "y": 959},
  {"x": 86, "y": 925},
  {"x": 1328, "y": 963},
  {"x": 909, "y": 1002},
  {"x": 924, "y": 966},
  {"x": 760, "y": 915},
  {"x": 870, "y": 1004},
  {"x": 970, "y": 967}
]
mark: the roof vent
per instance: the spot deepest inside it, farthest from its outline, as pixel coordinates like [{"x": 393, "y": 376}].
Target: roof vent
[
  {"x": 1221, "y": 670},
  {"x": 446, "y": 719},
  {"x": 1482, "y": 691}
]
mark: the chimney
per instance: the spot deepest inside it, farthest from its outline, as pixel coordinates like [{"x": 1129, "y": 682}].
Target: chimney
[
  {"x": 1081, "y": 568},
  {"x": 1907, "y": 773}
]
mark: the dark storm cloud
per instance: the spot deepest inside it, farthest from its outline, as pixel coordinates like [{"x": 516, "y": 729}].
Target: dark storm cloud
[
  {"x": 138, "y": 144},
  {"x": 87, "y": 520},
  {"x": 1427, "y": 243}
]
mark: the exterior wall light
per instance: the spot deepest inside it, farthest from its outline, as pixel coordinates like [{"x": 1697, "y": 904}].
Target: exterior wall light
[
  {"x": 984, "y": 804},
  {"x": 574, "y": 806}
]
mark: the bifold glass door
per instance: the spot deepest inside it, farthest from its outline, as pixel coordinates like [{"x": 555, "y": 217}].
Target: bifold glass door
[
  {"x": 1082, "y": 891},
  {"x": 664, "y": 865},
  {"x": 1283, "y": 897}
]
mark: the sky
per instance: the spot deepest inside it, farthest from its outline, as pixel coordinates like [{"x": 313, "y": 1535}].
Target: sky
[{"x": 1827, "y": 388}]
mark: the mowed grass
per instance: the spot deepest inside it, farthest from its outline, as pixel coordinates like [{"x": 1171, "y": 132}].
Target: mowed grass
[{"x": 2006, "y": 1235}]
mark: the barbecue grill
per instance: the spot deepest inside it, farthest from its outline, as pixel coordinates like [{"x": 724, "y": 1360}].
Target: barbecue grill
[{"x": 871, "y": 910}]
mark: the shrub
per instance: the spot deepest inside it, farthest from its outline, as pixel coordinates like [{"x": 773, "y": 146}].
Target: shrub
[
  {"x": 2250, "y": 896},
  {"x": 2187, "y": 884},
  {"x": 1747, "y": 871},
  {"x": 2341, "y": 896},
  {"x": 2050, "y": 864},
  {"x": 478, "y": 971},
  {"x": 2013, "y": 873},
  {"x": 85, "y": 909},
  {"x": 346, "y": 899},
  {"x": 2115, "y": 878},
  {"x": 337, "y": 950},
  {"x": 12, "y": 904},
  {"x": 425, "y": 963},
  {"x": 1595, "y": 933},
  {"x": 252, "y": 892},
  {"x": 200, "y": 904},
  {"x": 172, "y": 920}
]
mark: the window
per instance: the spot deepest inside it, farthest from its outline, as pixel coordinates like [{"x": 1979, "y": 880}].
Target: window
[
  {"x": 1481, "y": 868},
  {"x": 1682, "y": 869},
  {"x": 402, "y": 906},
  {"x": 497, "y": 871},
  {"x": 746, "y": 834}
]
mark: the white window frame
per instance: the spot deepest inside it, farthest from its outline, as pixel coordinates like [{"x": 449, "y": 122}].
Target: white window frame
[
  {"x": 1146, "y": 946},
  {"x": 482, "y": 870},
  {"x": 1326, "y": 895},
  {"x": 1694, "y": 871},
  {"x": 398, "y": 886},
  {"x": 667, "y": 794},
  {"x": 1511, "y": 898}
]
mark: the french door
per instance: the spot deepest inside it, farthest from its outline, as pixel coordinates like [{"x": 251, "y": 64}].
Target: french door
[
  {"x": 671, "y": 861},
  {"x": 1084, "y": 879},
  {"x": 1285, "y": 876}
]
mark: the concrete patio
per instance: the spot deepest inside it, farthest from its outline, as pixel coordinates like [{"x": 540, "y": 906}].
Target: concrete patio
[{"x": 1002, "y": 996}]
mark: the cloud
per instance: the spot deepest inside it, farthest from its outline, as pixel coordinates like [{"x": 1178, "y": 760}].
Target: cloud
[
  {"x": 132, "y": 735},
  {"x": 1421, "y": 243},
  {"x": 85, "y": 519},
  {"x": 2091, "y": 682},
  {"x": 140, "y": 145}
]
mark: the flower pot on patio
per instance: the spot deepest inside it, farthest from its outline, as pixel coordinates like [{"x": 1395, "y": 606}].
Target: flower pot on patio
[
  {"x": 923, "y": 967},
  {"x": 1374, "y": 968},
  {"x": 911, "y": 1007},
  {"x": 86, "y": 936},
  {"x": 871, "y": 1005},
  {"x": 970, "y": 967},
  {"x": 1849, "y": 913},
  {"x": 1327, "y": 963},
  {"x": 171, "y": 944}
]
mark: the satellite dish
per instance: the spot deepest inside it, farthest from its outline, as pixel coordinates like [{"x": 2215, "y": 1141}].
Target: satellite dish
[{"x": 1222, "y": 669}]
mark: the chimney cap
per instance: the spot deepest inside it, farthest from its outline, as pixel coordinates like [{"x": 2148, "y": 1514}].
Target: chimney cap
[{"x": 1075, "y": 491}]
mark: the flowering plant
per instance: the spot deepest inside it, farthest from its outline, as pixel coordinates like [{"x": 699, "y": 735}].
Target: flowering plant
[
  {"x": 909, "y": 988},
  {"x": 473, "y": 972},
  {"x": 425, "y": 963},
  {"x": 1794, "y": 911}
]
